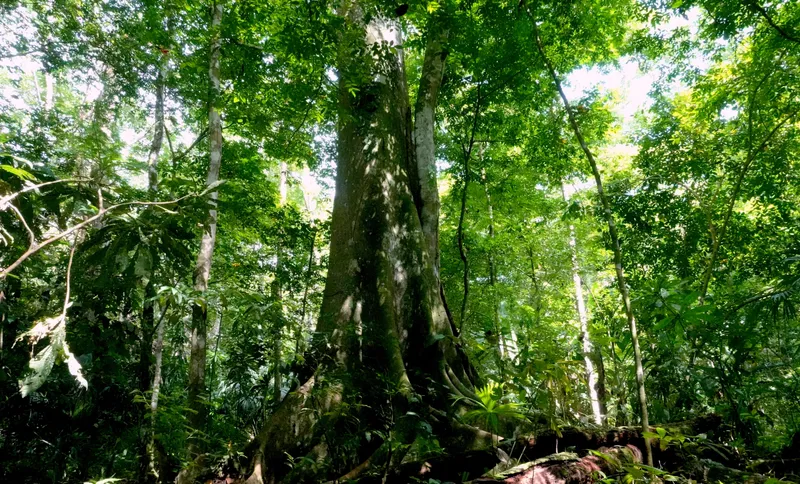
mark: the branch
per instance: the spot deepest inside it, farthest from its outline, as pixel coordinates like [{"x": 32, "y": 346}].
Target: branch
[
  {"x": 31, "y": 235},
  {"x": 35, "y": 247},
  {"x": 188, "y": 150},
  {"x": 8, "y": 198},
  {"x": 169, "y": 141},
  {"x": 69, "y": 278},
  {"x": 732, "y": 201},
  {"x": 763, "y": 12}
]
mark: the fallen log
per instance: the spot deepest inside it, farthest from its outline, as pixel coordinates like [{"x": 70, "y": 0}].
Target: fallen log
[
  {"x": 449, "y": 468},
  {"x": 531, "y": 445},
  {"x": 568, "y": 468},
  {"x": 777, "y": 467}
]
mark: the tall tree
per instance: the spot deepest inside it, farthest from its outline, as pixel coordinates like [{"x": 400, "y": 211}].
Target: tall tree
[
  {"x": 608, "y": 213},
  {"x": 385, "y": 341},
  {"x": 594, "y": 380},
  {"x": 150, "y": 380},
  {"x": 205, "y": 254}
]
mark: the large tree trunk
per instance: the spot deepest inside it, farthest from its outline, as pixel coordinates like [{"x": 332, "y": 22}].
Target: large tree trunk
[
  {"x": 202, "y": 272},
  {"x": 384, "y": 343}
]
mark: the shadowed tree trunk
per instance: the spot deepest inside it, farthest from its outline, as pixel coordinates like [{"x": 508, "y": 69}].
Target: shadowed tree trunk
[{"x": 384, "y": 344}]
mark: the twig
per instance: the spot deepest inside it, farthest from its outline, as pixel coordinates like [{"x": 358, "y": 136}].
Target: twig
[
  {"x": 188, "y": 150},
  {"x": 31, "y": 236},
  {"x": 69, "y": 278}
]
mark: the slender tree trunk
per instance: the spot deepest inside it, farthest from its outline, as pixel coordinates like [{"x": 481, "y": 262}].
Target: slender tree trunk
[
  {"x": 717, "y": 238},
  {"x": 299, "y": 346},
  {"x": 612, "y": 232},
  {"x": 501, "y": 342},
  {"x": 277, "y": 295},
  {"x": 158, "y": 352},
  {"x": 146, "y": 347},
  {"x": 49, "y": 87},
  {"x": 427, "y": 201},
  {"x": 592, "y": 375},
  {"x": 462, "y": 250},
  {"x": 202, "y": 272},
  {"x": 158, "y": 130}
]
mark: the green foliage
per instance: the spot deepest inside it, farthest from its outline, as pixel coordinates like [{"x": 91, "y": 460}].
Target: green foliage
[{"x": 492, "y": 407}]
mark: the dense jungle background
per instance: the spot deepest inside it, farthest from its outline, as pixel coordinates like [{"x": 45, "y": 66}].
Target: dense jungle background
[{"x": 268, "y": 241}]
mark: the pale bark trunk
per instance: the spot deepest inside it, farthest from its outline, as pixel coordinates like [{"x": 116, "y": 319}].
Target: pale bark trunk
[
  {"x": 199, "y": 330},
  {"x": 148, "y": 311},
  {"x": 277, "y": 294},
  {"x": 158, "y": 353},
  {"x": 501, "y": 342},
  {"x": 592, "y": 377},
  {"x": 612, "y": 232},
  {"x": 428, "y": 203},
  {"x": 49, "y": 89}
]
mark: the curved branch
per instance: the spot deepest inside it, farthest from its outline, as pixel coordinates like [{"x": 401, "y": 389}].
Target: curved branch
[
  {"x": 8, "y": 198},
  {"x": 781, "y": 31},
  {"x": 36, "y": 247}
]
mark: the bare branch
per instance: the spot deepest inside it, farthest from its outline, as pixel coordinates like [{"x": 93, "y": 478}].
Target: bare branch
[
  {"x": 69, "y": 279},
  {"x": 35, "y": 247},
  {"x": 31, "y": 236},
  {"x": 8, "y": 198}
]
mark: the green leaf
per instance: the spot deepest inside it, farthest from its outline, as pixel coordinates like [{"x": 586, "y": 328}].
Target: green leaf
[{"x": 18, "y": 172}]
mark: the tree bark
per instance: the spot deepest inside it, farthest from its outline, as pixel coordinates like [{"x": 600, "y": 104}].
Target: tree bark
[
  {"x": 202, "y": 272},
  {"x": 384, "y": 344},
  {"x": 612, "y": 232}
]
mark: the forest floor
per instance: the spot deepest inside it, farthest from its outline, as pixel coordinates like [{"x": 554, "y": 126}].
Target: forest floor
[{"x": 693, "y": 451}]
